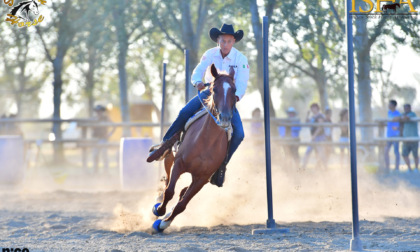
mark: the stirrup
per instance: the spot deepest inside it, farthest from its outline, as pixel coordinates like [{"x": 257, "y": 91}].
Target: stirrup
[
  {"x": 163, "y": 150},
  {"x": 155, "y": 147}
]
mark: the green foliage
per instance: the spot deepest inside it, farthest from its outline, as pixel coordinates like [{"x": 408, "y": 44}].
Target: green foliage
[{"x": 306, "y": 47}]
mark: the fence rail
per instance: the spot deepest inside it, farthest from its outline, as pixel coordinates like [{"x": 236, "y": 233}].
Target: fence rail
[{"x": 84, "y": 142}]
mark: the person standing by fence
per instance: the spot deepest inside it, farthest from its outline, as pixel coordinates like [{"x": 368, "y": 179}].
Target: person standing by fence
[
  {"x": 344, "y": 134},
  {"x": 410, "y": 130},
  {"x": 101, "y": 134},
  {"x": 257, "y": 127},
  {"x": 317, "y": 135},
  {"x": 291, "y": 133},
  {"x": 393, "y": 130},
  {"x": 328, "y": 134}
]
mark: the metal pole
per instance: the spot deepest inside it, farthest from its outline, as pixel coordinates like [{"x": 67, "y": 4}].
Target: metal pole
[
  {"x": 355, "y": 243},
  {"x": 270, "y": 221},
  {"x": 162, "y": 112},
  {"x": 187, "y": 74}
]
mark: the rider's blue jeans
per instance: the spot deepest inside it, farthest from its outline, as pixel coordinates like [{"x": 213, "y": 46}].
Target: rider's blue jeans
[{"x": 193, "y": 106}]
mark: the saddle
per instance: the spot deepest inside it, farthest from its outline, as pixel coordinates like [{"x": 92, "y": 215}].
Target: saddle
[{"x": 200, "y": 114}]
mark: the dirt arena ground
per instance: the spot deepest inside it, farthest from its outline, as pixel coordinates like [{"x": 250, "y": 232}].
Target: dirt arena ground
[
  {"x": 55, "y": 222},
  {"x": 56, "y": 211}
]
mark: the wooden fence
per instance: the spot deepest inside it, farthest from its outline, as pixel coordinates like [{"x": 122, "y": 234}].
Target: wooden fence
[{"x": 84, "y": 142}]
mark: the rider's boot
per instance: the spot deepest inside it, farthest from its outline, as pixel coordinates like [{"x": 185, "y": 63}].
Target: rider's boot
[
  {"x": 159, "y": 151},
  {"x": 218, "y": 178}
]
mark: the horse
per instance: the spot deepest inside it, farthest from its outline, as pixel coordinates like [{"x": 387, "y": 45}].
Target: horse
[
  {"x": 22, "y": 10},
  {"x": 391, "y": 7},
  {"x": 204, "y": 148}
]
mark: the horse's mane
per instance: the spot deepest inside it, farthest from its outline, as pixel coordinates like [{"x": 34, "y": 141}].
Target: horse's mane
[{"x": 20, "y": 5}]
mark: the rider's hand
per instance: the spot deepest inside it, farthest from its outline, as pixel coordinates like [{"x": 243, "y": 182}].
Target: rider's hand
[{"x": 200, "y": 86}]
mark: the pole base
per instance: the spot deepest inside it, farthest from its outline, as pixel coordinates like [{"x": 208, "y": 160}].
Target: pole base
[
  {"x": 356, "y": 244},
  {"x": 270, "y": 231}
]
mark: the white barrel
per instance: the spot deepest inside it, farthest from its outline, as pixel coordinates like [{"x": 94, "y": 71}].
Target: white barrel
[
  {"x": 135, "y": 172},
  {"x": 12, "y": 159}
]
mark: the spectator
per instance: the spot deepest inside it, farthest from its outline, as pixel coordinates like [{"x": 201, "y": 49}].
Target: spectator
[
  {"x": 317, "y": 135},
  {"x": 257, "y": 125},
  {"x": 292, "y": 134},
  {"x": 344, "y": 133},
  {"x": 328, "y": 130},
  {"x": 410, "y": 130},
  {"x": 393, "y": 130},
  {"x": 328, "y": 134},
  {"x": 101, "y": 133}
]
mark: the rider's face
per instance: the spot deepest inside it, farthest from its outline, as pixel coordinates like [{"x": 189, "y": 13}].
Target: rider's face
[{"x": 226, "y": 43}]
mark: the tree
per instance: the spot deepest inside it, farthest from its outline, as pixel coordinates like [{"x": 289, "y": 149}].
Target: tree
[
  {"x": 17, "y": 75},
  {"x": 399, "y": 30},
  {"x": 70, "y": 15},
  {"x": 317, "y": 43},
  {"x": 258, "y": 37},
  {"x": 92, "y": 47},
  {"x": 127, "y": 33}
]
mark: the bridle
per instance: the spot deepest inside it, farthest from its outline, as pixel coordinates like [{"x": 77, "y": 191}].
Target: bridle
[{"x": 208, "y": 111}]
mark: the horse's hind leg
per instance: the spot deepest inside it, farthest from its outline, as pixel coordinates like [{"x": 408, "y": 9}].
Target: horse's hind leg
[
  {"x": 181, "y": 194},
  {"x": 192, "y": 190},
  {"x": 168, "y": 161},
  {"x": 169, "y": 192}
]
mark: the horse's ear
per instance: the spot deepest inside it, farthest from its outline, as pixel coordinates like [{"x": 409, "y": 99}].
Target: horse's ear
[
  {"x": 213, "y": 71},
  {"x": 231, "y": 72}
]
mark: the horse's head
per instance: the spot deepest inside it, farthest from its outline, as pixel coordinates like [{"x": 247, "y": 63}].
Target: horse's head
[
  {"x": 33, "y": 6},
  {"x": 224, "y": 98}
]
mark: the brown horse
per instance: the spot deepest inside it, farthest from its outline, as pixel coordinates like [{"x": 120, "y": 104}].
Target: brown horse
[{"x": 203, "y": 149}]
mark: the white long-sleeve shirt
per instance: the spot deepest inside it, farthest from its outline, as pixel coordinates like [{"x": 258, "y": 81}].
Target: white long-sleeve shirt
[{"x": 234, "y": 58}]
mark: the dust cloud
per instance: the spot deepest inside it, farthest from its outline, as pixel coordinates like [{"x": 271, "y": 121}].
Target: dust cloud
[{"x": 298, "y": 196}]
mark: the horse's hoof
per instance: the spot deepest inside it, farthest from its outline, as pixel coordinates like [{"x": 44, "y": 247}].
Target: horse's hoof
[
  {"x": 155, "y": 211},
  {"x": 156, "y": 226}
]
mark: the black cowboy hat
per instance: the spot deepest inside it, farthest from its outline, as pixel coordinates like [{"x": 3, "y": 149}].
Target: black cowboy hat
[{"x": 226, "y": 30}]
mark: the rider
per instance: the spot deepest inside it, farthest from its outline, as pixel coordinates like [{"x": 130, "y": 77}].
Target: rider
[{"x": 223, "y": 57}]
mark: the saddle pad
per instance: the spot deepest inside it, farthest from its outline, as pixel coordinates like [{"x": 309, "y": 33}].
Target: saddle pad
[
  {"x": 194, "y": 118},
  {"x": 200, "y": 114}
]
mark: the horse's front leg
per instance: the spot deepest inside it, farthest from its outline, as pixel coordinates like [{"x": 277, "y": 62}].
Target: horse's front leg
[
  {"x": 192, "y": 190},
  {"x": 160, "y": 209},
  {"x": 168, "y": 162}
]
